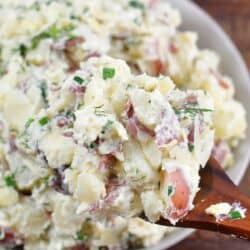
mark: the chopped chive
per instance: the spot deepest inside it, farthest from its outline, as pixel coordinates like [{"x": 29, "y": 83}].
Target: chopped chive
[
  {"x": 36, "y": 6},
  {"x": 235, "y": 215},
  {"x": 198, "y": 110},
  {"x": 106, "y": 126},
  {"x": 128, "y": 86},
  {"x": 68, "y": 28},
  {"x": 10, "y": 181},
  {"x": 85, "y": 10},
  {"x": 108, "y": 73},
  {"x": 2, "y": 71},
  {"x": 170, "y": 190},
  {"x": 103, "y": 248},
  {"x": 191, "y": 110},
  {"x": 45, "y": 179},
  {"x": 79, "y": 80},
  {"x": 71, "y": 114},
  {"x": 74, "y": 17},
  {"x": 43, "y": 121},
  {"x": 190, "y": 147},
  {"x": 49, "y": 2},
  {"x": 52, "y": 32},
  {"x": 99, "y": 111},
  {"x": 98, "y": 107},
  {"x": 133, "y": 41},
  {"x": 71, "y": 37},
  {"x": 23, "y": 50},
  {"x": 28, "y": 123},
  {"x": 44, "y": 90},
  {"x": 81, "y": 236},
  {"x": 91, "y": 145},
  {"x": 136, "y": 4},
  {"x": 68, "y": 3},
  {"x": 177, "y": 111}
]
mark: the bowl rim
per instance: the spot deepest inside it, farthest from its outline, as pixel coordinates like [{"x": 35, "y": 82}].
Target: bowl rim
[{"x": 180, "y": 234}]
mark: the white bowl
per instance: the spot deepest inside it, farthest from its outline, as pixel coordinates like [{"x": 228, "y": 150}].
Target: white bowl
[{"x": 213, "y": 37}]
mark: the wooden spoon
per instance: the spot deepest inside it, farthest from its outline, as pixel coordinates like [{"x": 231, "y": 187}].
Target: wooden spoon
[{"x": 216, "y": 187}]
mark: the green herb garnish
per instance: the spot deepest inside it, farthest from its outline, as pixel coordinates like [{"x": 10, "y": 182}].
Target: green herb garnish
[
  {"x": 137, "y": 175},
  {"x": 70, "y": 114},
  {"x": 43, "y": 121},
  {"x": 170, "y": 190},
  {"x": 71, "y": 37},
  {"x": 91, "y": 145},
  {"x": 28, "y": 123},
  {"x": 133, "y": 41},
  {"x": 190, "y": 147},
  {"x": 52, "y": 32},
  {"x": 10, "y": 180},
  {"x": 81, "y": 236},
  {"x": 128, "y": 86},
  {"x": 74, "y": 17},
  {"x": 106, "y": 126},
  {"x": 235, "y": 215},
  {"x": 108, "y": 73},
  {"x": 45, "y": 179},
  {"x": 99, "y": 110},
  {"x": 136, "y": 4},
  {"x": 85, "y": 10},
  {"x": 48, "y": 2},
  {"x": 36, "y": 6},
  {"x": 68, "y": 3},
  {"x": 23, "y": 50},
  {"x": 79, "y": 80},
  {"x": 192, "y": 111},
  {"x": 2, "y": 71},
  {"x": 44, "y": 90}
]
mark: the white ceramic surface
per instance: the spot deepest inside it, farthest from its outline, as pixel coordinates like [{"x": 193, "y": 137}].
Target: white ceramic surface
[{"x": 213, "y": 37}]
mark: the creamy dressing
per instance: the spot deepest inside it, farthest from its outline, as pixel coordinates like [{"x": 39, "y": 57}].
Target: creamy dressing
[
  {"x": 86, "y": 146},
  {"x": 222, "y": 211}
]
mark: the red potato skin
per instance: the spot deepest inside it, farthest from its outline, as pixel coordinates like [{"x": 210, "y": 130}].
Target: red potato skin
[
  {"x": 223, "y": 84},
  {"x": 180, "y": 197},
  {"x": 173, "y": 49},
  {"x": 74, "y": 42},
  {"x": 11, "y": 239},
  {"x": 134, "y": 125},
  {"x": 80, "y": 247},
  {"x": 157, "y": 67}
]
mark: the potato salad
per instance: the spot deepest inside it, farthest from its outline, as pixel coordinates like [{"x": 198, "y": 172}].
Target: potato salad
[
  {"x": 57, "y": 35},
  {"x": 107, "y": 112},
  {"x": 102, "y": 147}
]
